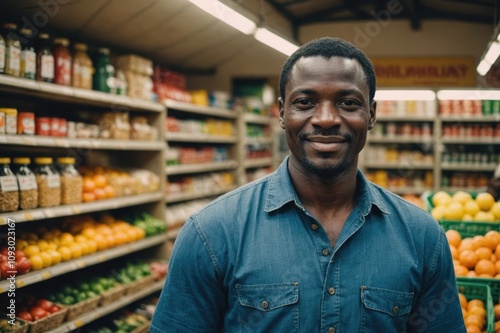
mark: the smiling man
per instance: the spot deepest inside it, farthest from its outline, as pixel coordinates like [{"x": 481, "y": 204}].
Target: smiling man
[{"x": 314, "y": 246}]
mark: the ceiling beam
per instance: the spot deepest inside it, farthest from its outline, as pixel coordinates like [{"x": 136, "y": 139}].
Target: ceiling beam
[
  {"x": 313, "y": 17},
  {"x": 280, "y": 8},
  {"x": 353, "y": 8}
]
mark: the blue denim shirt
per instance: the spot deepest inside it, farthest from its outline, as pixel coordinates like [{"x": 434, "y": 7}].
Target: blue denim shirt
[{"x": 254, "y": 260}]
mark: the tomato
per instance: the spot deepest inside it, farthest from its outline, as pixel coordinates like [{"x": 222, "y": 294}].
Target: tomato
[
  {"x": 23, "y": 265},
  {"x": 25, "y": 315},
  {"x": 6, "y": 267},
  {"x": 54, "y": 308},
  {"x": 44, "y": 304},
  {"x": 38, "y": 313},
  {"x": 5, "y": 251},
  {"x": 19, "y": 254}
]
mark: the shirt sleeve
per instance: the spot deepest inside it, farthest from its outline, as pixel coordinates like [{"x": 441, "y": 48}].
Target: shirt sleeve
[
  {"x": 192, "y": 299},
  {"x": 437, "y": 308}
]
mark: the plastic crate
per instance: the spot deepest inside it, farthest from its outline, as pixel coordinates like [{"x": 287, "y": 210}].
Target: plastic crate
[
  {"x": 481, "y": 291},
  {"x": 465, "y": 228}
]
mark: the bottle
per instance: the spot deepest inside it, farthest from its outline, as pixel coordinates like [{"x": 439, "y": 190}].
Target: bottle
[
  {"x": 12, "y": 50},
  {"x": 71, "y": 181},
  {"x": 9, "y": 191},
  {"x": 2, "y": 54},
  {"x": 44, "y": 59},
  {"x": 28, "y": 55},
  {"x": 103, "y": 79},
  {"x": 81, "y": 76},
  {"x": 48, "y": 181},
  {"x": 28, "y": 190},
  {"x": 62, "y": 62}
]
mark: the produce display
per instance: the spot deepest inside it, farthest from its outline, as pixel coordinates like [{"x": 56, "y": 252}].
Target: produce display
[
  {"x": 464, "y": 206},
  {"x": 475, "y": 313},
  {"x": 82, "y": 290},
  {"x": 33, "y": 309}
]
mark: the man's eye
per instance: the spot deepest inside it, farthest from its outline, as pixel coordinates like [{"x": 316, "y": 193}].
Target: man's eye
[
  {"x": 302, "y": 102},
  {"x": 349, "y": 103}
]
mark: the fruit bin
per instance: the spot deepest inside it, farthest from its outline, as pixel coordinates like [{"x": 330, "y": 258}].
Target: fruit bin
[
  {"x": 112, "y": 295},
  {"x": 482, "y": 291},
  {"x": 20, "y": 327},
  {"x": 76, "y": 310},
  {"x": 49, "y": 322},
  {"x": 465, "y": 228}
]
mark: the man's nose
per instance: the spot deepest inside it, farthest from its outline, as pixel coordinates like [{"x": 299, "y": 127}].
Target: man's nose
[{"x": 326, "y": 115}]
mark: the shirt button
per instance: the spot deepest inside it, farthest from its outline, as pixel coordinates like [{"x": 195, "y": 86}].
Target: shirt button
[
  {"x": 331, "y": 330},
  {"x": 314, "y": 226},
  {"x": 325, "y": 252},
  {"x": 331, "y": 290},
  {"x": 264, "y": 304},
  {"x": 395, "y": 309}
]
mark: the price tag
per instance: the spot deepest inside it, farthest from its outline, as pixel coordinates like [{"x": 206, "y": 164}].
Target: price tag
[
  {"x": 76, "y": 210},
  {"x": 29, "y": 140},
  {"x": 28, "y": 216},
  {"x": 78, "y": 323},
  {"x": 46, "y": 275},
  {"x": 101, "y": 258},
  {"x": 61, "y": 143},
  {"x": 2, "y": 221},
  {"x": 80, "y": 264},
  {"x": 20, "y": 283},
  {"x": 1, "y": 290}
]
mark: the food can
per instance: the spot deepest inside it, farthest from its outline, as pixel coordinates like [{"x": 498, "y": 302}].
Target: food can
[
  {"x": 26, "y": 123},
  {"x": 42, "y": 126},
  {"x": 54, "y": 126},
  {"x": 63, "y": 127},
  {"x": 10, "y": 120},
  {"x": 2, "y": 122},
  {"x": 71, "y": 129}
]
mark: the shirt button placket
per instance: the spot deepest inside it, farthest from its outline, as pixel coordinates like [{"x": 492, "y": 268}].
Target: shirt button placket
[
  {"x": 325, "y": 252},
  {"x": 331, "y": 330},
  {"x": 331, "y": 291}
]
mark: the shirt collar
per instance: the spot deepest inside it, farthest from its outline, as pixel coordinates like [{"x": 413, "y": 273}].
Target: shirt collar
[{"x": 281, "y": 192}]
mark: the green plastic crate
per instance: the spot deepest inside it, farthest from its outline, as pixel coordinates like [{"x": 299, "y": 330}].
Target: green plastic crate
[
  {"x": 465, "y": 228},
  {"x": 482, "y": 291}
]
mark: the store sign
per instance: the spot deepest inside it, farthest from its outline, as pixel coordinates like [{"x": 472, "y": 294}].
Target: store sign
[{"x": 425, "y": 72}]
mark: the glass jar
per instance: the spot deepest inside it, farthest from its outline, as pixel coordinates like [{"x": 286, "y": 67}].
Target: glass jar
[
  {"x": 62, "y": 62},
  {"x": 103, "y": 79},
  {"x": 28, "y": 55},
  {"x": 44, "y": 59},
  {"x": 28, "y": 190},
  {"x": 48, "y": 181},
  {"x": 12, "y": 50},
  {"x": 81, "y": 76},
  {"x": 2, "y": 54},
  {"x": 71, "y": 181},
  {"x": 9, "y": 191}
]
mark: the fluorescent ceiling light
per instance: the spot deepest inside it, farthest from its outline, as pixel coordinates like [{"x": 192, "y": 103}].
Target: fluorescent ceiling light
[
  {"x": 276, "y": 42},
  {"x": 405, "y": 95},
  {"x": 481, "y": 94},
  {"x": 483, "y": 67},
  {"x": 227, "y": 15},
  {"x": 493, "y": 52}
]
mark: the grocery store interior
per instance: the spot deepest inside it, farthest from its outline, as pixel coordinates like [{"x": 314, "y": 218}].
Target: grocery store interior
[{"x": 121, "y": 118}]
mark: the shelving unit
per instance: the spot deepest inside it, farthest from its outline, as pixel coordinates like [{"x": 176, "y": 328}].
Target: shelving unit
[
  {"x": 28, "y": 95},
  {"x": 401, "y": 117},
  {"x": 256, "y": 145},
  {"x": 199, "y": 128}
]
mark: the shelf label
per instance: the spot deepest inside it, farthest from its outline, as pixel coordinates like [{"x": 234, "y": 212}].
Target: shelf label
[
  {"x": 2, "y": 221},
  {"x": 1, "y": 290},
  {"x": 80, "y": 264},
  {"x": 28, "y": 140},
  {"x": 28, "y": 216},
  {"x": 78, "y": 323},
  {"x": 20, "y": 283},
  {"x": 76, "y": 210},
  {"x": 101, "y": 258},
  {"x": 46, "y": 275}
]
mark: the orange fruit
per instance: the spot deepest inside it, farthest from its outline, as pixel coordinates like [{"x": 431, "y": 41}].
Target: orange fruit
[
  {"x": 76, "y": 250},
  {"x": 47, "y": 259},
  {"x": 493, "y": 236},
  {"x": 56, "y": 256},
  {"x": 461, "y": 270},
  {"x": 31, "y": 250},
  {"x": 454, "y": 237},
  {"x": 496, "y": 309},
  {"x": 88, "y": 196},
  {"x": 468, "y": 259},
  {"x": 463, "y": 300},
  {"x": 485, "y": 201},
  {"x": 466, "y": 244},
  {"x": 497, "y": 267},
  {"x": 88, "y": 184},
  {"x": 99, "y": 180},
  {"x": 478, "y": 241},
  {"x": 472, "y": 329},
  {"x": 485, "y": 267},
  {"x": 66, "y": 238},
  {"x": 36, "y": 262},
  {"x": 65, "y": 253},
  {"x": 454, "y": 252},
  {"x": 471, "y": 274},
  {"x": 476, "y": 302},
  {"x": 479, "y": 311},
  {"x": 100, "y": 194},
  {"x": 483, "y": 253},
  {"x": 110, "y": 191}
]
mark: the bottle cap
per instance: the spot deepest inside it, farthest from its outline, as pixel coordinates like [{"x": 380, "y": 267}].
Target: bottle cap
[
  {"x": 21, "y": 160},
  {"x": 66, "y": 160},
  {"x": 4, "y": 160},
  {"x": 43, "y": 160}
]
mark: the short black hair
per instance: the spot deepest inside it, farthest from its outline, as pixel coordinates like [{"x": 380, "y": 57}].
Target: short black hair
[{"x": 328, "y": 47}]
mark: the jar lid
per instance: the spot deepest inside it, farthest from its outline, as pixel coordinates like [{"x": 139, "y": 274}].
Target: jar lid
[
  {"x": 4, "y": 160},
  {"x": 44, "y": 35},
  {"x": 80, "y": 46},
  {"x": 66, "y": 160},
  {"x": 8, "y": 111},
  {"x": 22, "y": 160},
  {"x": 63, "y": 41},
  {"x": 43, "y": 160},
  {"x": 10, "y": 25},
  {"x": 26, "y": 32}
]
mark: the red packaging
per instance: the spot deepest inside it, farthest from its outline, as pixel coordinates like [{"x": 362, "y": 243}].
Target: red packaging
[
  {"x": 54, "y": 126},
  {"x": 26, "y": 123},
  {"x": 42, "y": 126},
  {"x": 63, "y": 128}
]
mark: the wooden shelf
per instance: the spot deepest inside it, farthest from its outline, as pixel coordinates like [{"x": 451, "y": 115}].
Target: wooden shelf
[
  {"x": 69, "y": 210},
  {"x": 258, "y": 162},
  {"x": 202, "y": 167},
  {"x": 407, "y": 118},
  {"x": 471, "y": 141},
  {"x": 399, "y": 139},
  {"x": 177, "y": 197},
  {"x": 85, "y": 261},
  {"x": 199, "y": 137},
  {"x": 405, "y": 166},
  {"x": 201, "y": 110},
  {"x": 256, "y": 118},
  {"x": 467, "y": 167}
]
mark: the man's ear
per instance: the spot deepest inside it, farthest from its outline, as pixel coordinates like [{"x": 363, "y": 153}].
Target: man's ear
[
  {"x": 373, "y": 115},
  {"x": 281, "y": 113}
]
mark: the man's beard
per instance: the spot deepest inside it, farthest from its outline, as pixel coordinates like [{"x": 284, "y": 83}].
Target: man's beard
[{"x": 328, "y": 170}]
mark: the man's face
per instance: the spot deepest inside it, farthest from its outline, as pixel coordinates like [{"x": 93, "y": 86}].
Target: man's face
[{"x": 326, "y": 114}]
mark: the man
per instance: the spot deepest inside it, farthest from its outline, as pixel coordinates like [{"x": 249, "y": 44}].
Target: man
[{"x": 313, "y": 247}]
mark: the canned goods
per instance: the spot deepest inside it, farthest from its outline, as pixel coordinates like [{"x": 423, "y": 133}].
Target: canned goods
[
  {"x": 10, "y": 120},
  {"x": 2, "y": 122},
  {"x": 26, "y": 123},
  {"x": 42, "y": 126},
  {"x": 54, "y": 126}
]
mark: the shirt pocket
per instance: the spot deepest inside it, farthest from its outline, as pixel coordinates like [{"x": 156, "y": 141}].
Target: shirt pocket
[
  {"x": 384, "y": 309},
  {"x": 268, "y": 307}
]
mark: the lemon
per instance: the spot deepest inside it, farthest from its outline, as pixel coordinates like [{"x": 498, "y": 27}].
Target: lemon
[
  {"x": 438, "y": 212},
  {"x": 31, "y": 250},
  {"x": 47, "y": 259},
  {"x": 56, "y": 256},
  {"x": 461, "y": 196},
  {"x": 36, "y": 262},
  {"x": 454, "y": 211},
  {"x": 441, "y": 198},
  {"x": 485, "y": 201},
  {"x": 471, "y": 207},
  {"x": 42, "y": 244},
  {"x": 482, "y": 216},
  {"x": 65, "y": 253},
  {"x": 495, "y": 210},
  {"x": 468, "y": 217}
]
